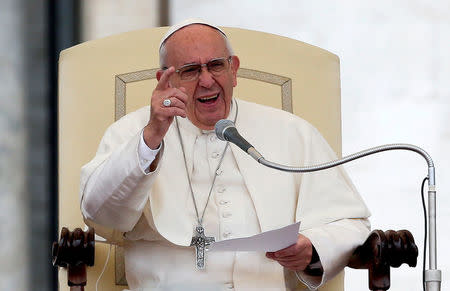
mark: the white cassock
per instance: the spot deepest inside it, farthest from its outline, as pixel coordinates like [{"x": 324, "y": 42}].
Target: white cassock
[{"x": 156, "y": 212}]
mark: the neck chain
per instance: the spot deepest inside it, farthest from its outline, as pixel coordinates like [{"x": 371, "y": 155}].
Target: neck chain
[{"x": 199, "y": 240}]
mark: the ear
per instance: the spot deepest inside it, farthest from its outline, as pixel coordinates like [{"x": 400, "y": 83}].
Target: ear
[{"x": 235, "y": 63}]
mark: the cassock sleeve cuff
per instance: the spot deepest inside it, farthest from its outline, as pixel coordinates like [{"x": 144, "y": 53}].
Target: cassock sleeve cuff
[
  {"x": 312, "y": 276},
  {"x": 146, "y": 155}
]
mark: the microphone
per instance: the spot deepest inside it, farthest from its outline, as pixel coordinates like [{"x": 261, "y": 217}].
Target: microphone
[{"x": 226, "y": 131}]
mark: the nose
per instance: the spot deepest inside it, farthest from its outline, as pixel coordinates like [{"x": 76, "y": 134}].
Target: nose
[{"x": 205, "y": 79}]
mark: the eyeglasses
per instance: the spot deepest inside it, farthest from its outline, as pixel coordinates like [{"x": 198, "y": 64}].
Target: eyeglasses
[{"x": 216, "y": 67}]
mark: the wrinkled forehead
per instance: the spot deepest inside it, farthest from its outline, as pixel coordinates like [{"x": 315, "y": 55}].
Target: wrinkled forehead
[{"x": 195, "y": 43}]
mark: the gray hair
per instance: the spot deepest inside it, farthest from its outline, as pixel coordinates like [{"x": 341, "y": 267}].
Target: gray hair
[{"x": 163, "y": 51}]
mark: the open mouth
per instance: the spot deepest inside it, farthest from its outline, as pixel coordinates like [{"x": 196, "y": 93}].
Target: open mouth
[{"x": 208, "y": 100}]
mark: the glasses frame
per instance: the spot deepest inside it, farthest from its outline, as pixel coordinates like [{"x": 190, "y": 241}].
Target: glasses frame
[{"x": 178, "y": 71}]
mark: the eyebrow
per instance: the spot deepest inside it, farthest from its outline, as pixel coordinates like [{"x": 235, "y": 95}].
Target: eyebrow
[
  {"x": 197, "y": 63},
  {"x": 190, "y": 64}
]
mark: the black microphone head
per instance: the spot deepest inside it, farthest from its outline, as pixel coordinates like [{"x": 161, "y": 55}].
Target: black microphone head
[{"x": 221, "y": 126}]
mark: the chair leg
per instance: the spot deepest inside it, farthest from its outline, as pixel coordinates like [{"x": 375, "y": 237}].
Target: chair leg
[
  {"x": 379, "y": 277},
  {"x": 74, "y": 251},
  {"x": 381, "y": 251},
  {"x": 77, "y": 277}
]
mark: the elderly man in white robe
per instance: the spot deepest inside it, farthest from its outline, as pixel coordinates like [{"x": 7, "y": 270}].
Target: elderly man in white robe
[{"x": 160, "y": 176}]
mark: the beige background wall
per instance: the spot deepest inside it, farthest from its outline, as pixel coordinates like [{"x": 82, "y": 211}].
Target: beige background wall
[{"x": 101, "y": 18}]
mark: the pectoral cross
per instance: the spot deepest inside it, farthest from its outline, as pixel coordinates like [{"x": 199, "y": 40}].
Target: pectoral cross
[{"x": 200, "y": 242}]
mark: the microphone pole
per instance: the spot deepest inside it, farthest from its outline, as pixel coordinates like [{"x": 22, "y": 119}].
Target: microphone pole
[{"x": 226, "y": 130}]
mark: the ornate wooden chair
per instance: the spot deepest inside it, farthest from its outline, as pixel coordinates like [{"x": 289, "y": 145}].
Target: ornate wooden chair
[{"x": 102, "y": 80}]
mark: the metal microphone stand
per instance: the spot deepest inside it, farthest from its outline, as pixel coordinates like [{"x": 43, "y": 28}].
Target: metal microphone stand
[{"x": 433, "y": 275}]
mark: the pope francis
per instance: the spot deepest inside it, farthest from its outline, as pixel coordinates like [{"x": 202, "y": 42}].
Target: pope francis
[{"x": 168, "y": 186}]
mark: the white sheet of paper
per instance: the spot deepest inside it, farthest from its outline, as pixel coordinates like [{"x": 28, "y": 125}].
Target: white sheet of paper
[{"x": 269, "y": 241}]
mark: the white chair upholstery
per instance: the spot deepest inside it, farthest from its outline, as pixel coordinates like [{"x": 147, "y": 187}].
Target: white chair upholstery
[{"x": 101, "y": 80}]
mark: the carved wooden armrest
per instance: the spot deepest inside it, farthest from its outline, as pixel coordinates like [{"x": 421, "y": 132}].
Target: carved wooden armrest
[
  {"x": 74, "y": 251},
  {"x": 381, "y": 251}
]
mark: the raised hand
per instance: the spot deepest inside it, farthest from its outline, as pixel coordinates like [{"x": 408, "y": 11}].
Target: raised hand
[{"x": 162, "y": 116}]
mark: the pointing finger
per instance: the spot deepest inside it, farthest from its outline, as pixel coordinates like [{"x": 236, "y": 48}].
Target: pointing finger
[{"x": 163, "y": 82}]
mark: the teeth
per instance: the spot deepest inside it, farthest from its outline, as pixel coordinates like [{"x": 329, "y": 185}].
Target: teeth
[{"x": 208, "y": 98}]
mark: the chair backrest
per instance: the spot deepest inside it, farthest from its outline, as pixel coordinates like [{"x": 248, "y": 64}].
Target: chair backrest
[{"x": 101, "y": 80}]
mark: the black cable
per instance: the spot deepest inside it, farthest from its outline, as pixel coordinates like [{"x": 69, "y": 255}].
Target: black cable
[{"x": 425, "y": 235}]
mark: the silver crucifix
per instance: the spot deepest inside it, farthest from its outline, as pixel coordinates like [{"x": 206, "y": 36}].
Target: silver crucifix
[{"x": 200, "y": 242}]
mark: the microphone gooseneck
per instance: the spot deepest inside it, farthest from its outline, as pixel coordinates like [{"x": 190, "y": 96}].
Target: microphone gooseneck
[{"x": 226, "y": 130}]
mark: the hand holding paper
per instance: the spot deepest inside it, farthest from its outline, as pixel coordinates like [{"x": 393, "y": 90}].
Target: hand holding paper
[
  {"x": 295, "y": 257},
  {"x": 269, "y": 241}
]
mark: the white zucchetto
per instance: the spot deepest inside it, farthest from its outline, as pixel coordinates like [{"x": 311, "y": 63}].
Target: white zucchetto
[{"x": 174, "y": 28}]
